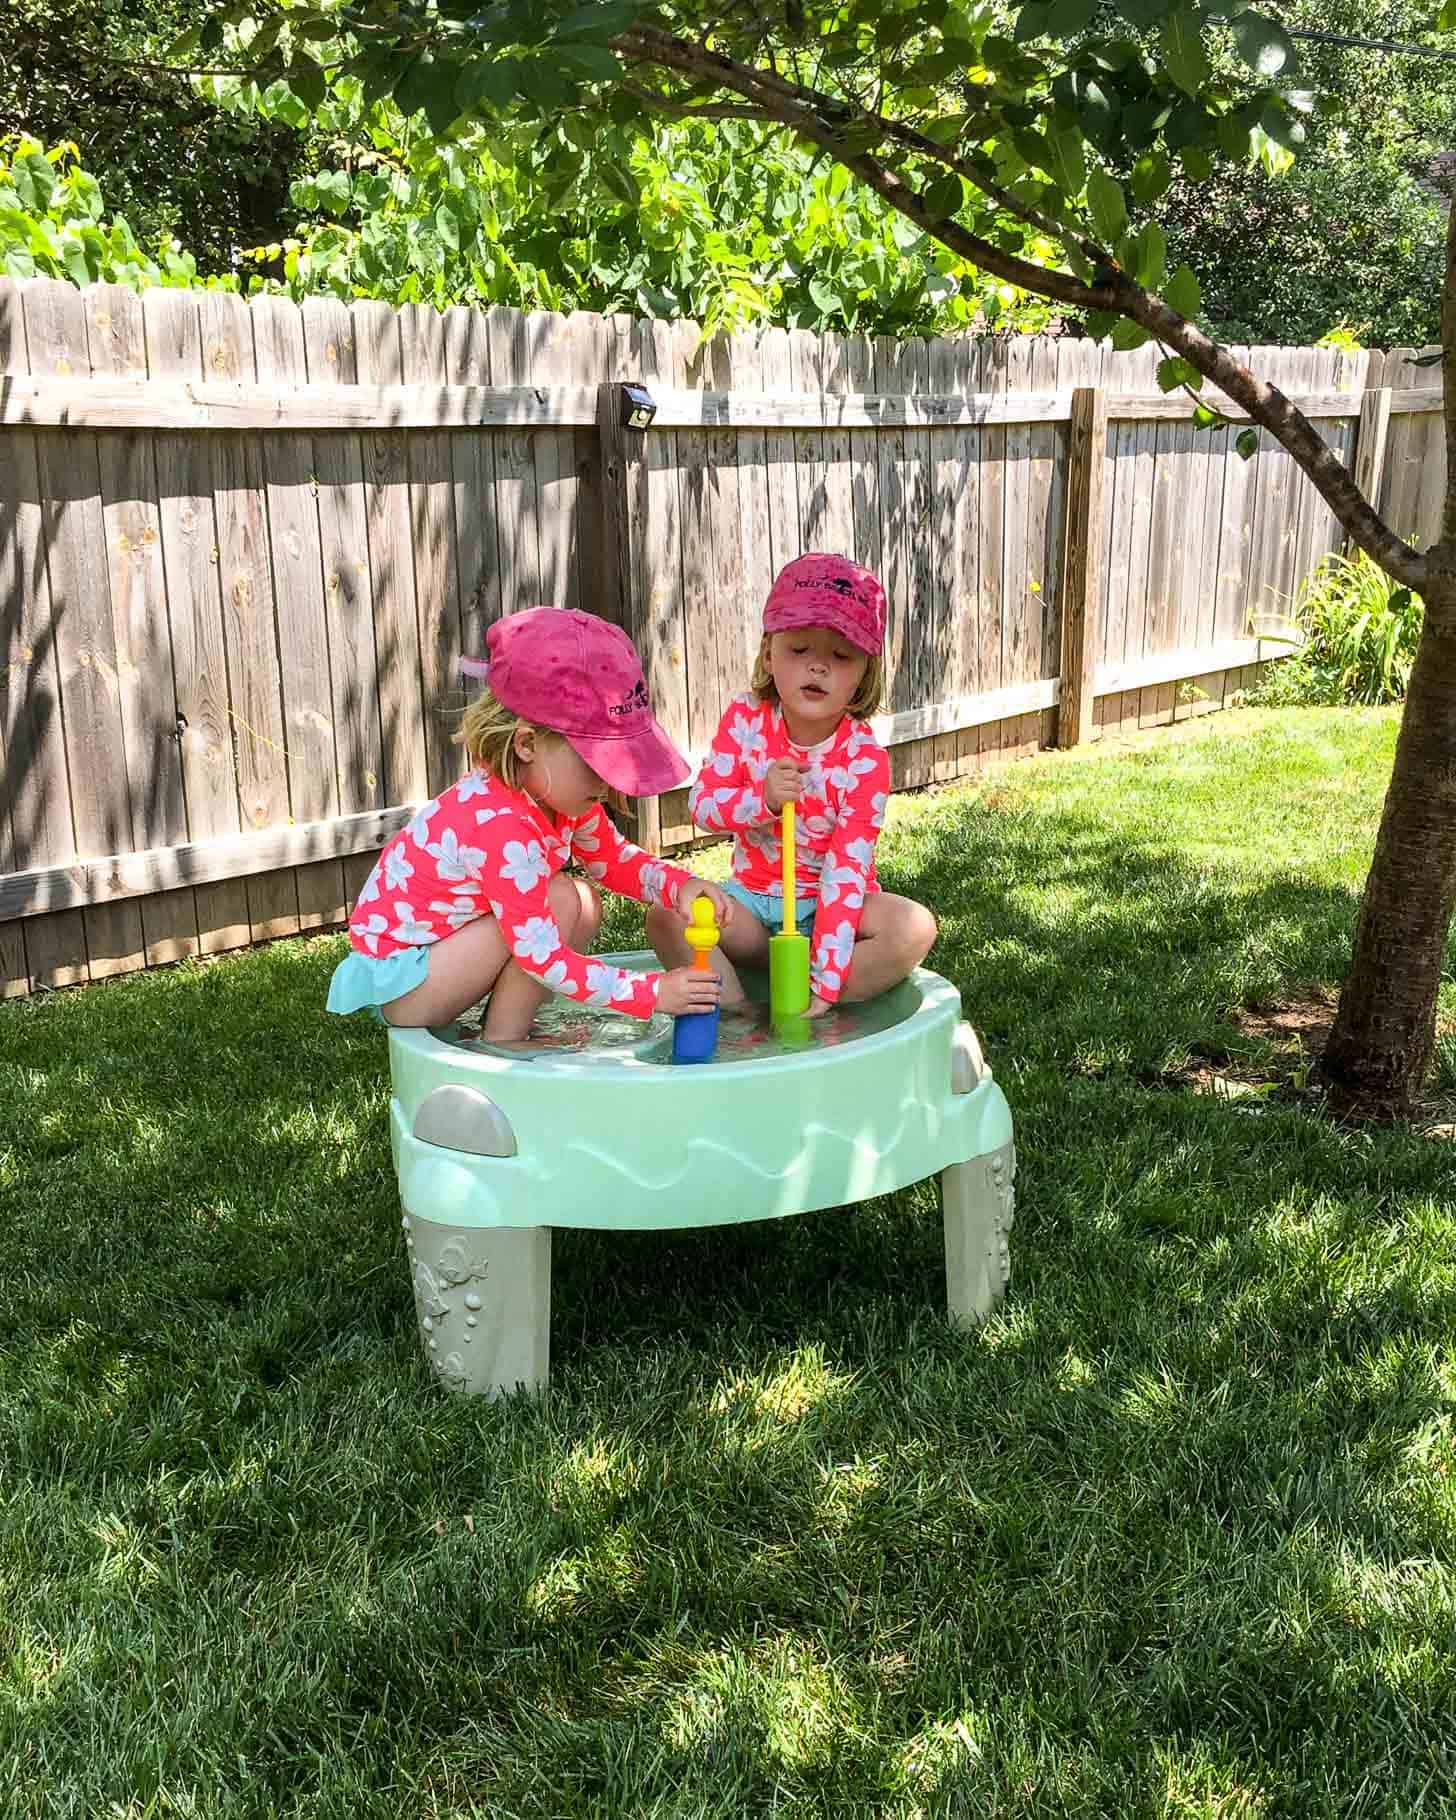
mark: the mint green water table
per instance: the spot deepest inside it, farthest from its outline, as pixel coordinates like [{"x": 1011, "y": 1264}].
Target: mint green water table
[{"x": 594, "y": 1126}]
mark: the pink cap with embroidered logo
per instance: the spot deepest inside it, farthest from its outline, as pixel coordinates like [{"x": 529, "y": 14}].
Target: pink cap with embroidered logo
[
  {"x": 822, "y": 590},
  {"x": 581, "y": 677}
]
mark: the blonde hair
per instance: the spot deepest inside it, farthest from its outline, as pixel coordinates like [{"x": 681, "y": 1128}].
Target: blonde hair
[
  {"x": 864, "y": 702},
  {"x": 488, "y": 732}
]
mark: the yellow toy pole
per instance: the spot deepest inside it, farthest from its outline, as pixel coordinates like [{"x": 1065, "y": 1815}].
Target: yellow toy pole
[{"x": 788, "y": 951}]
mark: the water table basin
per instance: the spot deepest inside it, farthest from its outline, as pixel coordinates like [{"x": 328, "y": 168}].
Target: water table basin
[{"x": 592, "y": 1125}]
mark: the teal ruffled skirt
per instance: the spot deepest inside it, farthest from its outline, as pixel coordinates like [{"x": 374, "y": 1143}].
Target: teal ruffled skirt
[{"x": 363, "y": 982}]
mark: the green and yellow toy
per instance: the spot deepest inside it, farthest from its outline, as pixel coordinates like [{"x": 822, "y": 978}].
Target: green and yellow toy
[{"x": 788, "y": 951}]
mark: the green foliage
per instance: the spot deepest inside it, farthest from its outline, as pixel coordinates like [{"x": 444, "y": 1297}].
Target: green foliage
[
  {"x": 1048, "y": 122},
  {"x": 1348, "y": 233},
  {"x": 85, "y": 72},
  {"x": 694, "y": 220},
  {"x": 54, "y": 224},
  {"x": 1360, "y": 631}
]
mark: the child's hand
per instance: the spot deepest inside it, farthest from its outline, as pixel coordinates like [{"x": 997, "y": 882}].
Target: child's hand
[
  {"x": 688, "y": 989},
  {"x": 783, "y": 782},
  {"x": 723, "y": 905},
  {"x": 817, "y": 1006}
]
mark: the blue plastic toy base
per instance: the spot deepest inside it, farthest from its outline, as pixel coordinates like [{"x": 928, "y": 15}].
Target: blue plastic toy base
[{"x": 695, "y": 1036}]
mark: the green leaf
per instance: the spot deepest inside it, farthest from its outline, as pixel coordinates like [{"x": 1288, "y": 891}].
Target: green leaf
[
  {"x": 486, "y": 84},
  {"x": 1129, "y": 335},
  {"x": 544, "y": 81},
  {"x": 593, "y": 61},
  {"x": 1203, "y": 418},
  {"x": 1141, "y": 119},
  {"x": 946, "y": 196},
  {"x": 1151, "y": 176},
  {"x": 1183, "y": 53},
  {"x": 1144, "y": 12},
  {"x": 78, "y": 267},
  {"x": 1197, "y": 162},
  {"x": 34, "y": 178},
  {"x": 827, "y": 299},
  {"x": 1033, "y": 148},
  {"x": 1064, "y": 17},
  {"x": 1264, "y": 45},
  {"x": 1146, "y": 255},
  {"x": 1096, "y": 107},
  {"x": 1031, "y": 22},
  {"x": 306, "y": 80},
  {"x": 619, "y": 180},
  {"x": 1182, "y": 292},
  {"x": 334, "y": 188},
  {"x": 1247, "y": 444},
  {"x": 1069, "y": 163},
  {"x": 1446, "y": 19},
  {"x": 1232, "y": 132},
  {"x": 599, "y": 22},
  {"x": 1170, "y": 373},
  {"x": 447, "y": 225},
  {"x": 1101, "y": 323},
  {"x": 1108, "y": 207},
  {"x": 1275, "y": 158}
]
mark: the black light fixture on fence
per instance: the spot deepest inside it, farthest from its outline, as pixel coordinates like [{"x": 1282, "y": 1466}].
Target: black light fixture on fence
[{"x": 639, "y": 407}]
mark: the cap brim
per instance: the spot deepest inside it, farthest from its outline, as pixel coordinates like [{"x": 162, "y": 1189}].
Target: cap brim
[
  {"x": 645, "y": 764},
  {"x": 800, "y": 615}
]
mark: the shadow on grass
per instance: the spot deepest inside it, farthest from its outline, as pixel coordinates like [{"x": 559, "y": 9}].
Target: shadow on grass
[{"x": 1172, "y": 1521}]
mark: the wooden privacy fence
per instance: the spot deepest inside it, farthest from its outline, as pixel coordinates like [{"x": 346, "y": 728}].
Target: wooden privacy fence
[{"x": 243, "y": 547}]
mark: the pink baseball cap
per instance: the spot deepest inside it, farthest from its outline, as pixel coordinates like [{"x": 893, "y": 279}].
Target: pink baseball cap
[
  {"x": 581, "y": 677},
  {"x": 820, "y": 590}
]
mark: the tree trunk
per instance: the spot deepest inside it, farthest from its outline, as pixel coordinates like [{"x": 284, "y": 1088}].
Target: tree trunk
[{"x": 1380, "y": 1049}]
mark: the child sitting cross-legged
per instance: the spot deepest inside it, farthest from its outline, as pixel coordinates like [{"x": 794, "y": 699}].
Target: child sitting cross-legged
[{"x": 802, "y": 736}]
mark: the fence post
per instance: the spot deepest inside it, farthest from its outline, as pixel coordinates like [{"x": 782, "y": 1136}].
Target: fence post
[
  {"x": 623, "y": 525},
  {"x": 1370, "y": 442},
  {"x": 1082, "y": 569}
]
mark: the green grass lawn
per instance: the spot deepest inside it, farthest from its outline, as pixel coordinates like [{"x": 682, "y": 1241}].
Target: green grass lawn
[{"x": 1174, "y": 1534}]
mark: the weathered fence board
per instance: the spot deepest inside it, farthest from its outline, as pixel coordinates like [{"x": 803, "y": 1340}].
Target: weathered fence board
[{"x": 244, "y": 547}]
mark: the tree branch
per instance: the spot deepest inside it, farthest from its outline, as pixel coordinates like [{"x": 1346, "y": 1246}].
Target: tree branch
[
  {"x": 1265, "y": 404},
  {"x": 1268, "y": 407},
  {"x": 648, "y": 44},
  {"x": 684, "y": 110}
]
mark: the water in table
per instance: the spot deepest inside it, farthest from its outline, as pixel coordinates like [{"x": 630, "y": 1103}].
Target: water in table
[{"x": 565, "y": 1030}]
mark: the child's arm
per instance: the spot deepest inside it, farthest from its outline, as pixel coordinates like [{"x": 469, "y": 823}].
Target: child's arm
[
  {"x": 726, "y": 794},
  {"x": 517, "y": 879},
  {"x": 612, "y": 860},
  {"x": 848, "y": 861}
]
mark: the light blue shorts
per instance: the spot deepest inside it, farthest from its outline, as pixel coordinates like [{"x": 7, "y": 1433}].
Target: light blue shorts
[{"x": 768, "y": 907}]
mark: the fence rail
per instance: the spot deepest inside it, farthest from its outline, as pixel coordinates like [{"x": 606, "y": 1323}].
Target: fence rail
[{"x": 243, "y": 547}]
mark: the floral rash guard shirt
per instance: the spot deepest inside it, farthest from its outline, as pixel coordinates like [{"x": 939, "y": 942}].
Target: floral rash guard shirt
[
  {"x": 483, "y": 849},
  {"x": 840, "y": 813}
]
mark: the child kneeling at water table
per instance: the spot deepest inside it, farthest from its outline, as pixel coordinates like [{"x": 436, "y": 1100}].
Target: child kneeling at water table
[
  {"x": 471, "y": 898},
  {"x": 802, "y": 736}
]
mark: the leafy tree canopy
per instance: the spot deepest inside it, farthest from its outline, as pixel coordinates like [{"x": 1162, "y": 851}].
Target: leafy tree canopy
[{"x": 82, "y": 73}]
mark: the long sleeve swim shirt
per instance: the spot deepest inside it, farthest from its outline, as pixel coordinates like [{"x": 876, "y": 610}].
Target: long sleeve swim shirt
[
  {"x": 483, "y": 849},
  {"x": 838, "y": 821}
]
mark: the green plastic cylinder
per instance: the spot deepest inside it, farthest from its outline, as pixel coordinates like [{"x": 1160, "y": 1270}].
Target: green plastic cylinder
[{"x": 788, "y": 975}]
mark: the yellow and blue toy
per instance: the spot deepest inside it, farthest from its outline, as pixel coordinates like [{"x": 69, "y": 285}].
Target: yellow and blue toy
[{"x": 695, "y": 1033}]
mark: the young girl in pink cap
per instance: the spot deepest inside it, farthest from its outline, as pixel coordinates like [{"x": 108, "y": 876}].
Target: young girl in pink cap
[
  {"x": 471, "y": 898},
  {"x": 802, "y": 736}
]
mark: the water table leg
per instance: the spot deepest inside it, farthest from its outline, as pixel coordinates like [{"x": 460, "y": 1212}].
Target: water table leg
[
  {"x": 978, "y": 1203},
  {"x": 483, "y": 1296}
]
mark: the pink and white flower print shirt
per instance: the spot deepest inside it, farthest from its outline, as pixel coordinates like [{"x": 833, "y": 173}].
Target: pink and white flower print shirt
[
  {"x": 482, "y": 849},
  {"x": 839, "y": 817}
]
